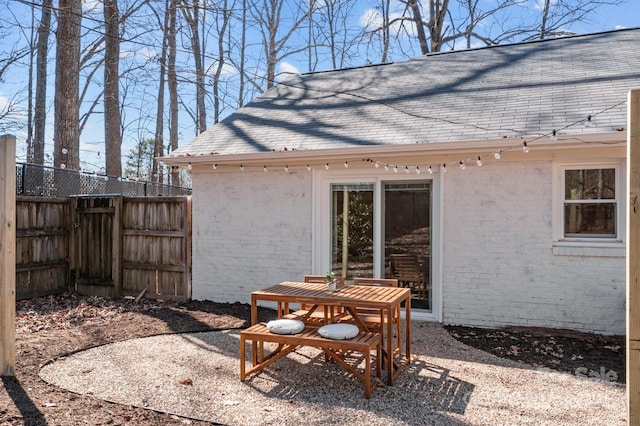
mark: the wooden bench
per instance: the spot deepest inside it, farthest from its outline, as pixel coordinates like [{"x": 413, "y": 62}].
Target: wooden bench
[{"x": 365, "y": 343}]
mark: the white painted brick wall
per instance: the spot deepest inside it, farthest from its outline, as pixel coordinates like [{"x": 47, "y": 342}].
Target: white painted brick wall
[
  {"x": 498, "y": 263},
  {"x": 250, "y": 230}
]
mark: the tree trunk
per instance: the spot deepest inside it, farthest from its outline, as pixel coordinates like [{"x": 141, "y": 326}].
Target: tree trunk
[
  {"x": 172, "y": 84},
  {"x": 158, "y": 146},
  {"x": 40, "y": 111},
  {"x": 112, "y": 125},
  {"x": 192, "y": 15},
  {"x": 417, "y": 17},
  {"x": 67, "y": 106}
]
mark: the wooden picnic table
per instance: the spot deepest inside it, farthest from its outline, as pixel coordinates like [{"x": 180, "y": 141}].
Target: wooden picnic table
[{"x": 349, "y": 297}]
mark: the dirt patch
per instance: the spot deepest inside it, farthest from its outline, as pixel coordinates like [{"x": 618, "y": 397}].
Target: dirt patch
[
  {"x": 583, "y": 354},
  {"x": 54, "y": 326}
]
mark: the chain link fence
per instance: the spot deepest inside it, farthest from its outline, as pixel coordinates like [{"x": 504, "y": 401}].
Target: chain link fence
[{"x": 34, "y": 179}]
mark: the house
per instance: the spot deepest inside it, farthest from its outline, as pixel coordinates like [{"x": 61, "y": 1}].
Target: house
[{"x": 501, "y": 169}]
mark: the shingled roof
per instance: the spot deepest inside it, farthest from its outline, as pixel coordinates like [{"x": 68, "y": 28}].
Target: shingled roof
[{"x": 489, "y": 93}]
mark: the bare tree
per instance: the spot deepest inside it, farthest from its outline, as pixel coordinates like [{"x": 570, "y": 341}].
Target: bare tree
[
  {"x": 66, "y": 126},
  {"x": 193, "y": 12},
  {"x": 40, "y": 111},
  {"x": 112, "y": 122},
  {"x": 333, "y": 30},
  {"x": 268, "y": 15},
  {"x": 172, "y": 85}
]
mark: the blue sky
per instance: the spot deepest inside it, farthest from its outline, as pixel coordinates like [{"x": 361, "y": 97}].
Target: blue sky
[{"x": 608, "y": 18}]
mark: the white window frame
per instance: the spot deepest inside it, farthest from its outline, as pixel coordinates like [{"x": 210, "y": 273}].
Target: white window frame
[
  {"x": 558, "y": 200},
  {"x": 322, "y": 181}
]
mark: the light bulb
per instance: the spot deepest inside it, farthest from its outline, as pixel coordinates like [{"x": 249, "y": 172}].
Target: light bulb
[
  {"x": 346, "y": 165},
  {"x": 377, "y": 165},
  {"x": 189, "y": 167},
  {"x": 589, "y": 122},
  {"x": 326, "y": 166},
  {"x": 444, "y": 168},
  {"x": 418, "y": 169},
  {"x": 386, "y": 167},
  {"x": 406, "y": 169},
  {"x": 214, "y": 166},
  {"x": 395, "y": 169},
  {"x": 286, "y": 169},
  {"x": 479, "y": 161},
  {"x": 308, "y": 168},
  {"x": 264, "y": 169},
  {"x": 554, "y": 136},
  {"x": 462, "y": 165},
  {"x": 430, "y": 170},
  {"x": 497, "y": 155},
  {"x": 525, "y": 147},
  {"x": 242, "y": 167},
  {"x": 65, "y": 150},
  {"x": 63, "y": 166}
]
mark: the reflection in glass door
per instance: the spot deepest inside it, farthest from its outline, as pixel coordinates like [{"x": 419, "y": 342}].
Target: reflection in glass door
[
  {"x": 352, "y": 230},
  {"x": 407, "y": 238},
  {"x": 405, "y": 230}
]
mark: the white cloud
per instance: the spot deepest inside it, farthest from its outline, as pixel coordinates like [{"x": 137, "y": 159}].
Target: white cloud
[
  {"x": 147, "y": 53},
  {"x": 620, "y": 27},
  {"x": 92, "y": 6},
  {"x": 287, "y": 68},
  {"x": 228, "y": 70}
]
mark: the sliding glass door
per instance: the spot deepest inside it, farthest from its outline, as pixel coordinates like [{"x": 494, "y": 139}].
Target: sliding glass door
[{"x": 383, "y": 229}]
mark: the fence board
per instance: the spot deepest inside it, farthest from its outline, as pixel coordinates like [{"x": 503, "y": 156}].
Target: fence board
[
  {"x": 42, "y": 246},
  {"x": 104, "y": 246}
]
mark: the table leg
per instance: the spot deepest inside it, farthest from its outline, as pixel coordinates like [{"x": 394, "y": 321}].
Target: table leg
[
  {"x": 389, "y": 342},
  {"x": 254, "y": 320}
]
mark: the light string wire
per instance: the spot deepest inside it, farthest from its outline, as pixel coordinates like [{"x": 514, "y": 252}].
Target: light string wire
[{"x": 478, "y": 158}]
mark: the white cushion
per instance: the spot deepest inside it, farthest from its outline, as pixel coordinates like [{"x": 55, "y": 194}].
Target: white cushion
[
  {"x": 339, "y": 331},
  {"x": 285, "y": 326}
]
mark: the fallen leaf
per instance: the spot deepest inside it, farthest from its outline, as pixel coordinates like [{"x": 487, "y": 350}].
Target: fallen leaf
[{"x": 186, "y": 382}]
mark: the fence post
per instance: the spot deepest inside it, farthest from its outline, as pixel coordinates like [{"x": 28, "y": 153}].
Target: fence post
[
  {"x": 633, "y": 259},
  {"x": 8, "y": 255}
]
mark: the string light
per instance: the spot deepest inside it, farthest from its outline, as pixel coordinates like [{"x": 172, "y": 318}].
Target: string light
[
  {"x": 525, "y": 146},
  {"x": 589, "y": 121},
  {"x": 264, "y": 168}
]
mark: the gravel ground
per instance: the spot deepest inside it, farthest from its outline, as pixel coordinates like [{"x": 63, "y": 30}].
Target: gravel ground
[{"x": 196, "y": 376}]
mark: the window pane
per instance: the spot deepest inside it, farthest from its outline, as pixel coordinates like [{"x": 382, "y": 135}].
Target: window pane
[
  {"x": 590, "y": 184},
  {"x": 407, "y": 232},
  {"x": 590, "y": 219},
  {"x": 352, "y": 215}
]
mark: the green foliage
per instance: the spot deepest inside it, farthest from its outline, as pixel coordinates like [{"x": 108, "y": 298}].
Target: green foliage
[
  {"x": 140, "y": 160},
  {"x": 360, "y": 238}
]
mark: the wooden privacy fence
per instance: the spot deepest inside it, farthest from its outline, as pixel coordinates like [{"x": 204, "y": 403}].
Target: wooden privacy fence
[{"x": 104, "y": 245}]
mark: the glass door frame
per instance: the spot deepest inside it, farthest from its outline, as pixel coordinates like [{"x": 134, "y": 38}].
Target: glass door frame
[{"x": 321, "y": 235}]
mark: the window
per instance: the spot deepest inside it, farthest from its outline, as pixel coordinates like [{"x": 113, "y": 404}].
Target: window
[{"x": 590, "y": 202}]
